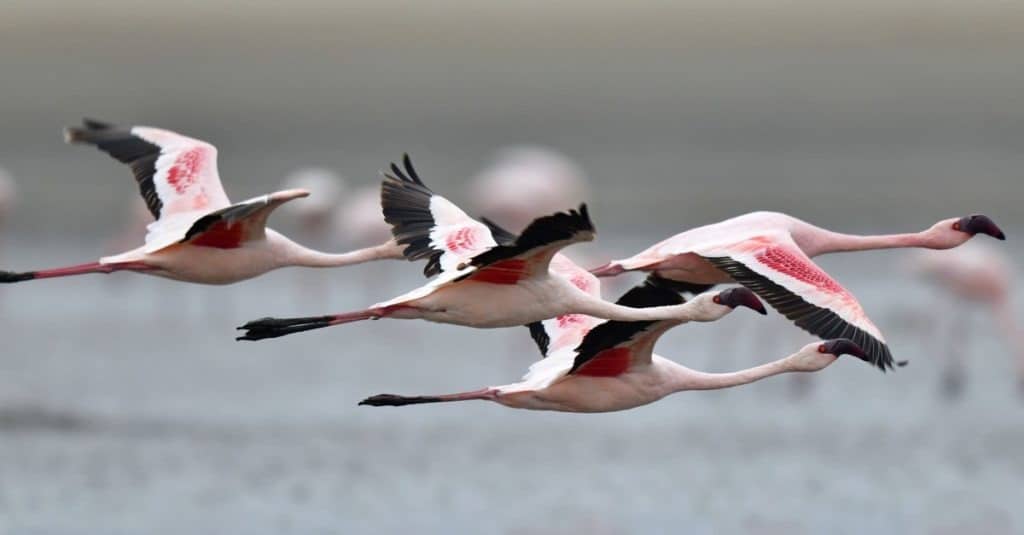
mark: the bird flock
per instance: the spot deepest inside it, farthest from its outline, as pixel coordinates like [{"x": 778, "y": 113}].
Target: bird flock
[{"x": 597, "y": 355}]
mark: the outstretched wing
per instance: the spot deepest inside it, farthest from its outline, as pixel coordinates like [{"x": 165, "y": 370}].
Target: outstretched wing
[
  {"x": 608, "y": 348},
  {"x": 429, "y": 225},
  {"x": 566, "y": 330},
  {"x": 532, "y": 251},
  {"x": 176, "y": 174},
  {"x": 775, "y": 268},
  {"x": 612, "y": 347}
]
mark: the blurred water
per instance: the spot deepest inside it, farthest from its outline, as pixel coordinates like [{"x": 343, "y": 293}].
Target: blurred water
[{"x": 126, "y": 407}]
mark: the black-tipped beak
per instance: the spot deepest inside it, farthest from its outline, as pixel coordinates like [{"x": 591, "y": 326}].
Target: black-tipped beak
[
  {"x": 981, "y": 224},
  {"x": 741, "y": 297},
  {"x": 844, "y": 346}
]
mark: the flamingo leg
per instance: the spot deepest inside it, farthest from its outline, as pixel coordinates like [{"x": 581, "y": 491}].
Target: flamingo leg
[
  {"x": 394, "y": 400},
  {"x": 276, "y": 327},
  {"x": 81, "y": 269}
]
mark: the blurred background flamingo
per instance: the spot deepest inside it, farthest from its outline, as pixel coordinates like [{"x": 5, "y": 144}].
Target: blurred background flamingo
[{"x": 975, "y": 276}]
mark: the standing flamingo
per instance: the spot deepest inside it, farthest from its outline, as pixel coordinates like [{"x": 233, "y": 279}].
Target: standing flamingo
[
  {"x": 610, "y": 366},
  {"x": 974, "y": 274},
  {"x": 198, "y": 235},
  {"x": 771, "y": 253},
  {"x": 487, "y": 277}
]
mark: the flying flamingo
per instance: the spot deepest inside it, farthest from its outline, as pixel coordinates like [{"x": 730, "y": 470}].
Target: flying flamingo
[
  {"x": 771, "y": 253},
  {"x": 973, "y": 274},
  {"x": 199, "y": 235},
  {"x": 487, "y": 277},
  {"x": 610, "y": 366}
]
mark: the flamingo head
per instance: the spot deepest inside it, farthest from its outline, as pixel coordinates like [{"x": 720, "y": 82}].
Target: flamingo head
[
  {"x": 950, "y": 233},
  {"x": 979, "y": 224},
  {"x": 714, "y": 305},
  {"x": 819, "y": 355}
]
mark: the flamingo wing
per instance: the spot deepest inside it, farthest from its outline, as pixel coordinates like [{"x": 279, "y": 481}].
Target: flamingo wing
[
  {"x": 775, "y": 268},
  {"x": 230, "y": 227},
  {"x": 175, "y": 173},
  {"x": 429, "y": 225},
  {"x": 612, "y": 347},
  {"x": 531, "y": 253},
  {"x": 605, "y": 348},
  {"x": 566, "y": 330}
]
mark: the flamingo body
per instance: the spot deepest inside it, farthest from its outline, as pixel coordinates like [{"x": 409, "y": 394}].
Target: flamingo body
[
  {"x": 611, "y": 366},
  {"x": 486, "y": 276},
  {"x": 198, "y": 235},
  {"x": 771, "y": 253}
]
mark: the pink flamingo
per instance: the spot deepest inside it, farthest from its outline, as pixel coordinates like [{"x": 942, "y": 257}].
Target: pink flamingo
[
  {"x": 199, "y": 235},
  {"x": 770, "y": 253},
  {"x": 974, "y": 274},
  {"x": 487, "y": 277},
  {"x": 594, "y": 366}
]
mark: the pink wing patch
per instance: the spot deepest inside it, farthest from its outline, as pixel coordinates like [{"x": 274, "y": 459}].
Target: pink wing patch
[
  {"x": 784, "y": 261},
  {"x": 462, "y": 240},
  {"x": 185, "y": 171}
]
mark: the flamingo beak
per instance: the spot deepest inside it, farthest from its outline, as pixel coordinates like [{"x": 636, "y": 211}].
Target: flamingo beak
[
  {"x": 610, "y": 269},
  {"x": 981, "y": 224},
  {"x": 844, "y": 346},
  {"x": 737, "y": 297}
]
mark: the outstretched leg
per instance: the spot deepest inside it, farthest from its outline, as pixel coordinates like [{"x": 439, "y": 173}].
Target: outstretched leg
[
  {"x": 394, "y": 400},
  {"x": 275, "y": 327},
  {"x": 81, "y": 269}
]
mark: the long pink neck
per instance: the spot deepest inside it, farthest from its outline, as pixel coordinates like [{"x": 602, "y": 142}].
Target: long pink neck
[
  {"x": 302, "y": 256},
  {"x": 694, "y": 380},
  {"x": 836, "y": 242}
]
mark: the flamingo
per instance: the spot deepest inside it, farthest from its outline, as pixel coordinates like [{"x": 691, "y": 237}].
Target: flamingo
[
  {"x": 199, "y": 235},
  {"x": 596, "y": 366},
  {"x": 527, "y": 182},
  {"x": 771, "y": 253},
  {"x": 974, "y": 274},
  {"x": 486, "y": 276}
]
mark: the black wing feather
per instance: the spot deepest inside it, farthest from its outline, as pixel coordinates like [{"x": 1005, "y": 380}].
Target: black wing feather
[
  {"x": 816, "y": 320},
  {"x": 541, "y": 232},
  {"x": 540, "y": 336},
  {"x": 405, "y": 201},
  {"x": 127, "y": 148}
]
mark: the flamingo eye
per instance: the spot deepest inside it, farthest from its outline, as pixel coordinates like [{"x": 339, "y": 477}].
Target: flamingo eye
[
  {"x": 956, "y": 226},
  {"x": 717, "y": 300},
  {"x": 821, "y": 349}
]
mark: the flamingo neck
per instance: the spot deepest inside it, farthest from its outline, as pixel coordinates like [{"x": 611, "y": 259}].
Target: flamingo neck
[
  {"x": 837, "y": 243},
  {"x": 303, "y": 256},
  {"x": 584, "y": 303},
  {"x": 687, "y": 379}
]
